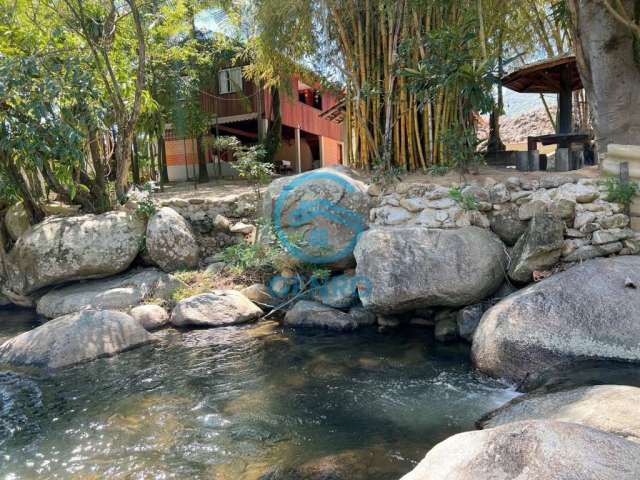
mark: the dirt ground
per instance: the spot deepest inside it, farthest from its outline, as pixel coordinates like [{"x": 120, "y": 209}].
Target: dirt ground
[{"x": 222, "y": 188}]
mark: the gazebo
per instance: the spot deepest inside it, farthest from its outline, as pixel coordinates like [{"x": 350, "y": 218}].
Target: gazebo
[{"x": 557, "y": 75}]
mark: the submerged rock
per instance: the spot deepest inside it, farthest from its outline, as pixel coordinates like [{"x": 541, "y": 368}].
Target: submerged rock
[
  {"x": 533, "y": 450},
  {"x": 60, "y": 250},
  {"x": 588, "y": 312},
  {"x": 75, "y": 338},
  {"x": 216, "y": 309},
  {"x": 610, "y": 408},
  {"x": 116, "y": 293},
  {"x": 407, "y": 268},
  {"x": 313, "y": 314},
  {"x": 170, "y": 242}
]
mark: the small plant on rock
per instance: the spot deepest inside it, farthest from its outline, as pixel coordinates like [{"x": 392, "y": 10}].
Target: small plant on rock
[
  {"x": 620, "y": 192},
  {"x": 465, "y": 200}
]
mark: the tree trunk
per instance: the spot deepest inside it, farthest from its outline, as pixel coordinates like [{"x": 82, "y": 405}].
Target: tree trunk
[
  {"x": 135, "y": 163},
  {"x": 203, "y": 175},
  {"x": 31, "y": 205},
  {"x": 273, "y": 137},
  {"x": 605, "y": 53},
  {"x": 124, "y": 139},
  {"x": 162, "y": 160}
]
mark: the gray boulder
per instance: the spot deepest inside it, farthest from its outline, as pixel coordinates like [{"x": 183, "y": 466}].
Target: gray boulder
[
  {"x": 61, "y": 250},
  {"x": 171, "y": 243},
  {"x": 468, "y": 320},
  {"x": 588, "y": 312},
  {"x": 446, "y": 330},
  {"x": 323, "y": 210},
  {"x": 507, "y": 225},
  {"x": 313, "y": 314},
  {"x": 539, "y": 248},
  {"x": 339, "y": 292},
  {"x": 610, "y": 408},
  {"x": 407, "y": 268},
  {"x": 75, "y": 338},
  {"x": 534, "y": 450},
  {"x": 116, "y": 293},
  {"x": 216, "y": 309},
  {"x": 259, "y": 293},
  {"x": 150, "y": 317}
]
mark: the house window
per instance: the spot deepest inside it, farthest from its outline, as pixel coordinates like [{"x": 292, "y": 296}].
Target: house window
[{"x": 230, "y": 80}]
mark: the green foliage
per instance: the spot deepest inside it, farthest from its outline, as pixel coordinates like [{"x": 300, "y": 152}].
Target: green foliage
[
  {"x": 250, "y": 162},
  {"x": 466, "y": 201},
  {"x": 438, "y": 170},
  {"x": 620, "y": 192},
  {"x": 146, "y": 208},
  {"x": 461, "y": 149}
]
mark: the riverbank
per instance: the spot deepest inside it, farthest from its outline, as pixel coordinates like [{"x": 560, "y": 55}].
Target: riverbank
[{"x": 539, "y": 275}]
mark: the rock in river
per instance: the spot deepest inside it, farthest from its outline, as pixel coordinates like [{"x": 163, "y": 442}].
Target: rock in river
[
  {"x": 216, "y": 309},
  {"x": 151, "y": 317},
  {"x": 610, "y": 408},
  {"x": 533, "y": 450},
  {"x": 117, "y": 293},
  {"x": 313, "y": 314},
  {"x": 60, "y": 250},
  {"x": 407, "y": 268},
  {"x": 75, "y": 338},
  {"x": 589, "y": 312},
  {"x": 171, "y": 244}
]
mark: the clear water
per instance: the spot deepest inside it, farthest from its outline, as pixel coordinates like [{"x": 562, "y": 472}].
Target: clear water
[{"x": 242, "y": 403}]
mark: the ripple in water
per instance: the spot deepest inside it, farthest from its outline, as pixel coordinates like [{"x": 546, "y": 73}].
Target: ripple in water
[{"x": 247, "y": 403}]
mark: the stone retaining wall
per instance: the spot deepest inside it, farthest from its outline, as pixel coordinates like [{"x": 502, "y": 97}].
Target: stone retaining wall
[
  {"x": 593, "y": 227},
  {"x": 218, "y": 223}
]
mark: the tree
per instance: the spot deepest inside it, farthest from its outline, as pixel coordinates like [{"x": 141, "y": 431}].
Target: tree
[
  {"x": 115, "y": 35},
  {"x": 606, "y": 43}
]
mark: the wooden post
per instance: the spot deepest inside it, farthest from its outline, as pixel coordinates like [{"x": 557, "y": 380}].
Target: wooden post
[
  {"x": 565, "y": 102},
  {"x": 298, "y": 152}
]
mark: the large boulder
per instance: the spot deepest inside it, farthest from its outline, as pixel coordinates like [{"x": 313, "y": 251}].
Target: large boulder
[
  {"x": 539, "y": 248},
  {"x": 535, "y": 450},
  {"x": 216, "y": 309},
  {"x": 610, "y": 408},
  {"x": 60, "y": 250},
  {"x": 407, "y": 268},
  {"x": 317, "y": 215},
  {"x": 171, "y": 243},
  {"x": 75, "y": 338},
  {"x": 589, "y": 312},
  {"x": 117, "y": 293}
]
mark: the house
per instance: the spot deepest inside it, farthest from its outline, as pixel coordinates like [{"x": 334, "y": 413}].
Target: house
[{"x": 241, "y": 108}]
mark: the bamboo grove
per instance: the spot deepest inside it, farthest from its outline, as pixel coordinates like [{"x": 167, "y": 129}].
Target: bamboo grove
[{"x": 371, "y": 42}]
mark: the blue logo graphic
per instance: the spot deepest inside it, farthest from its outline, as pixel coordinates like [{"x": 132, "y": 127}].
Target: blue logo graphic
[{"x": 316, "y": 247}]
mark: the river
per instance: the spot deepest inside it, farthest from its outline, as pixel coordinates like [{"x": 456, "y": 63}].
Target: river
[{"x": 257, "y": 402}]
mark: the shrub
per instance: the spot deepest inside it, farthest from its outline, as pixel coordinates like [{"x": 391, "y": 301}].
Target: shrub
[
  {"x": 620, "y": 192},
  {"x": 466, "y": 201}
]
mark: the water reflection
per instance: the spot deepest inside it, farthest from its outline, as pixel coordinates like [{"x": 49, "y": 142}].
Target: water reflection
[{"x": 256, "y": 402}]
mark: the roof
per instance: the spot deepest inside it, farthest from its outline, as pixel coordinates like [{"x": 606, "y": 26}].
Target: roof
[
  {"x": 335, "y": 113},
  {"x": 544, "y": 76}
]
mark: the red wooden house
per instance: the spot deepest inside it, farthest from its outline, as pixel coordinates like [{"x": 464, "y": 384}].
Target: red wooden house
[{"x": 241, "y": 108}]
